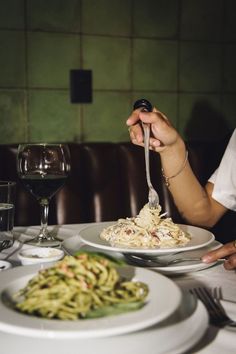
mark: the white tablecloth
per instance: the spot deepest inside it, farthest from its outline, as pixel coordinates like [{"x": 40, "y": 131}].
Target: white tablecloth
[{"x": 214, "y": 340}]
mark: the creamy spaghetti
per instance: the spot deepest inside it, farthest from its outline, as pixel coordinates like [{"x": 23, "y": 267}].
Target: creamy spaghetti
[
  {"x": 85, "y": 286},
  {"x": 149, "y": 229}
]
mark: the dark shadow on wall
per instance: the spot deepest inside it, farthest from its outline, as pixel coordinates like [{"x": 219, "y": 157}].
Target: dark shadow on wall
[{"x": 206, "y": 124}]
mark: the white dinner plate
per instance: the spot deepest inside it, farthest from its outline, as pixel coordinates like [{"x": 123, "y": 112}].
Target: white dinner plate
[
  {"x": 74, "y": 244},
  {"x": 163, "y": 299},
  {"x": 199, "y": 238},
  {"x": 175, "y": 335}
]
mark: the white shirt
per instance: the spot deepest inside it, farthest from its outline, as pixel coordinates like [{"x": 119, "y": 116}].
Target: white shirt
[{"x": 224, "y": 178}]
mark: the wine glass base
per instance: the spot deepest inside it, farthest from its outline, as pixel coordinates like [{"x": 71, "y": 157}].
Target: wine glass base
[{"x": 44, "y": 242}]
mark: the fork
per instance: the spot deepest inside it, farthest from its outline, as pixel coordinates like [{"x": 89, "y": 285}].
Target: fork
[
  {"x": 19, "y": 246},
  {"x": 218, "y": 295},
  {"x": 5, "y": 244},
  {"x": 150, "y": 262},
  {"x": 218, "y": 316},
  {"x": 153, "y": 198}
]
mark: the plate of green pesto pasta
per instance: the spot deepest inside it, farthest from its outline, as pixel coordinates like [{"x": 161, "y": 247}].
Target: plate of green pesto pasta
[{"x": 84, "y": 296}]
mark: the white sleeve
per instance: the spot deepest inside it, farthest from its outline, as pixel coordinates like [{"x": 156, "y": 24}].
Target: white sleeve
[{"x": 224, "y": 178}]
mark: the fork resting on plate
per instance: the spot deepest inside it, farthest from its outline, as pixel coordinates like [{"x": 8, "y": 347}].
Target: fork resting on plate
[
  {"x": 218, "y": 316},
  {"x": 151, "y": 262}
]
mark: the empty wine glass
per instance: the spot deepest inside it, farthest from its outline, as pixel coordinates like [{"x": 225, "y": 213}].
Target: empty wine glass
[{"x": 43, "y": 169}]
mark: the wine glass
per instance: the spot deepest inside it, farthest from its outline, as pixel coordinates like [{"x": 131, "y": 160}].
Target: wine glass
[{"x": 43, "y": 169}]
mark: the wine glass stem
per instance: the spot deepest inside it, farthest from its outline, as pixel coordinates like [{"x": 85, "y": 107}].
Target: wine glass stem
[{"x": 44, "y": 205}]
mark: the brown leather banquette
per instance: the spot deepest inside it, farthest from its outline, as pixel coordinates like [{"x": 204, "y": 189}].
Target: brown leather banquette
[{"x": 107, "y": 181}]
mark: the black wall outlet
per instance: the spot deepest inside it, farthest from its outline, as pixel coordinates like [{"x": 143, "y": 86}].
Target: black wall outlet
[{"x": 80, "y": 86}]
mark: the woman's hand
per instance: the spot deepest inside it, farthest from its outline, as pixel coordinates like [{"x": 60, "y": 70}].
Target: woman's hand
[
  {"x": 228, "y": 250},
  {"x": 163, "y": 133}
]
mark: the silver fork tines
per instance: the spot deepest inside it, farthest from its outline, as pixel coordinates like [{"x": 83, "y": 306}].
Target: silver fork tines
[
  {"x": 153, "y": 197},
  {"x": 217, "y": 293},
  {"x": 218, "y": 316},
  {"x": 5, "y": 244}
]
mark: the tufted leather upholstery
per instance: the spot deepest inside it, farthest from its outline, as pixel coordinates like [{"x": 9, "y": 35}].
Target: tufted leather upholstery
[{"x": 107, "y": 181}]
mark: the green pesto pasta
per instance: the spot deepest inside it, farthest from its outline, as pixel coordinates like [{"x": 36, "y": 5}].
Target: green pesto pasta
[{"x": 84, "y": 286}]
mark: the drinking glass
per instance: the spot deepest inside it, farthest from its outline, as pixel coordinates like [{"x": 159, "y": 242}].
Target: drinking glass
[
  {"x": 43, "y": 169},
  {"x": 7, "y": 208}
]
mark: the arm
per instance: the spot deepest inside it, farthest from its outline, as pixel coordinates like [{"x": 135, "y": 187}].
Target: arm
[{"x": 193, "y": 201}]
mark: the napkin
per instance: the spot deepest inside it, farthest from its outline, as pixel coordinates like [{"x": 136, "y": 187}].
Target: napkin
[{"x": 20, "y": 241}]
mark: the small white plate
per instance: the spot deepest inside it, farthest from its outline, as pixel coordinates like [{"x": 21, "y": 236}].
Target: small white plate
[
  {"x": 163, "y": 299},
  {"x": 4, "y": 265},
  {"x": 199, "y": 238},
  {"x": 40, "y": 255}
]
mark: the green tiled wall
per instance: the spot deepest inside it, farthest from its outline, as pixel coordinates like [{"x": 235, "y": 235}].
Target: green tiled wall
[
  {"x": 50, "y": 57},
  {"x": 154, "y": 65},
  {"x": 110, "y": 61},
  {"x": 200, "y": 67},
  {"x": 179, "y": 54}
]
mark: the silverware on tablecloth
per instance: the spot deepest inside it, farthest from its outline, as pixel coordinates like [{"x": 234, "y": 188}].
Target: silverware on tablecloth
[
  {"x": 217, "y": 314},
  {"x": 216, "y": 292},
  {"x": 5, "y": 244},
  {"x": 16, "y": 238}
]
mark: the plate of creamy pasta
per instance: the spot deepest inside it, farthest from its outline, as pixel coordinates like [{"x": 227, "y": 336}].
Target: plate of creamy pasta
[
  {"x": 85, "y": 296},
  {"x": 150, "y": 232}
]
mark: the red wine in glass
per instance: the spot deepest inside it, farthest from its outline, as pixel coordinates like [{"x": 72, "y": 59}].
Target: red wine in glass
[
  {"x": 43, "y": 186},
  {"x": 43, "y": 169}
]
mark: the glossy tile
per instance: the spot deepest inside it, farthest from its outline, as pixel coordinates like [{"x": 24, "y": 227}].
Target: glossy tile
[
  {"x": 12, "y": 14},
  {"x": 52, "y": 117},
  {"x": 12, "y": 59},
  {"x": 175, "y": 53},
  {"x": 201, "y": 19},
  {"x": 50, "y": 57},
  {"x": 109, "y": 58},
  {"x": 106, "y": 17},
  {"x": 229, "y": 75},
  {"x": 154, "y": 65},
  {"x": 230, "y": 23},
  {"x": 12, "y": 116},
  {"x": 54, "y": 15},
  {"x": 105, "y": 119},
  {"x": 228, "y": 109},
  {"x": 201, "y": 117},
  {"x": 155, "y": 18},
  {"x": 200, "y": 67}
]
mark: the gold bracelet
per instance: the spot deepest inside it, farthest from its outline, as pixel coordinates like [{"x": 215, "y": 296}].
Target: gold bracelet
[{"x": 166, "y": 179}]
